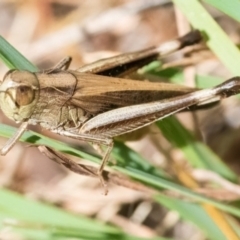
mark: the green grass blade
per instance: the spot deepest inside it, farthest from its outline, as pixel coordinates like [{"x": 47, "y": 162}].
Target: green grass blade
[
  {"x": 41, "y": 221},
  {"x": 16, "y": 206},
  {"x": 160, "y": 183},
  {"x": 198, "y": 154},
  {"x": 195, "y": 214},
  {"x": 231, "y": 8},
  {"x": 217, "y": 40},
  {"x": 13, "y": 59},
  {"x": 38, "y": 139}
]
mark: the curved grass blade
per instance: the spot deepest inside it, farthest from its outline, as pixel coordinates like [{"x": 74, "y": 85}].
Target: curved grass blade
[{"x": 14, "y": 59}]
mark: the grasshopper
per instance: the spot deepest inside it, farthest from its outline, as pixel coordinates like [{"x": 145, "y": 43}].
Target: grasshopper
[{"x": 94, "y": 104}]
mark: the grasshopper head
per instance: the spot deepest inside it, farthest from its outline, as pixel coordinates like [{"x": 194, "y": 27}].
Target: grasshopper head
[{"x": 19, "y": 94}]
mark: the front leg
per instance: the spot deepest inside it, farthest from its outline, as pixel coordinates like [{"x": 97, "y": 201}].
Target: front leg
[{"x": 13, "y": 140}]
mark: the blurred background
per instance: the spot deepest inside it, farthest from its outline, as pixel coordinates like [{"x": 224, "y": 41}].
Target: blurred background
[{"x": 45, "y": 32}]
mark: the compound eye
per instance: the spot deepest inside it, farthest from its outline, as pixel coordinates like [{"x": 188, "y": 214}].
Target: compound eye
[{"x": 24, "y": 95}]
